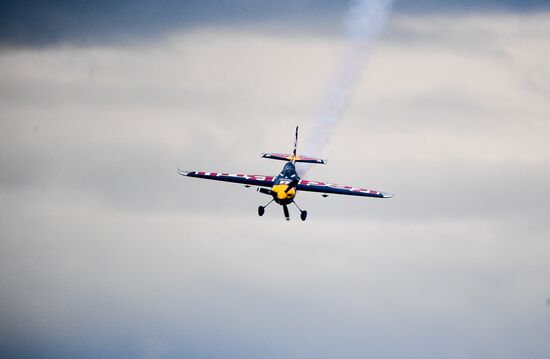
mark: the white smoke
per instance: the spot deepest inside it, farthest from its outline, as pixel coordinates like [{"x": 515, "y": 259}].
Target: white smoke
[{"x": 365, "y": 21}]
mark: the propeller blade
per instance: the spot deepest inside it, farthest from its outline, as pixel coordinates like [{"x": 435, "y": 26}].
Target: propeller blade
[
  {"x": 292, "y": 184},
  {"x": 285, "y": 210}
]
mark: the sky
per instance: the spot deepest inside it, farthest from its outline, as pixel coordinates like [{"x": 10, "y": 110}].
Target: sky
[{"x": 106, "y": 252}]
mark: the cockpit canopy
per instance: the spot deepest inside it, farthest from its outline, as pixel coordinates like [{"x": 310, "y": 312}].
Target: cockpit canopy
[{"x": 289, "y": 170}]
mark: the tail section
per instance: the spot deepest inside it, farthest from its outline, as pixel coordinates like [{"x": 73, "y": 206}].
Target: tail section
[
  {"x": 295, "y": 146},
  {"x": 294, "y": 157}
]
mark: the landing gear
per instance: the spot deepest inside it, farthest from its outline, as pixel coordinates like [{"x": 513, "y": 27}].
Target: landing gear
[
  {"x": 303, "y": 214},
  {"x": 261, "y": 209},
  {"x": 285, "y": 211}
]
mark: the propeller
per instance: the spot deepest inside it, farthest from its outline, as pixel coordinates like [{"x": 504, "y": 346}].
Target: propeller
[
  {"x": 292, "y": 184},
  {"x": 285, "y": 210}
]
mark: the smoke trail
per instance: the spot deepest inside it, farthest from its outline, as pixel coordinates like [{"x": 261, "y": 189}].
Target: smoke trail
[{"x": 364, "y": 22}]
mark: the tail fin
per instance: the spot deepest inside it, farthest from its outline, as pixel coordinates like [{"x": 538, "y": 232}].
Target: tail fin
[
  {"x": 295, "y": 146},
  {"x": 294, "y": 157}
]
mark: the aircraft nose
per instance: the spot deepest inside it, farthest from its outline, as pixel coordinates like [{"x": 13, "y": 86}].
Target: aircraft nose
[{"x": 281, "y": 194}]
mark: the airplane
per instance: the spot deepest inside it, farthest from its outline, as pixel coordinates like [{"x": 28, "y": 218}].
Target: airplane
[{"x": 284, "y": 187}]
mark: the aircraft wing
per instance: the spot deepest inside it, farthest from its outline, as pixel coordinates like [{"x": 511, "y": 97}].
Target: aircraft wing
[
  {"x": 252, "y": 180},
  {"x": 324, "y": 187}
]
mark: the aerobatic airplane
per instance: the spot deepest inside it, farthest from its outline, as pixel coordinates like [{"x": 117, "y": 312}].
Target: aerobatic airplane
[{"x": 283, "y": 187}]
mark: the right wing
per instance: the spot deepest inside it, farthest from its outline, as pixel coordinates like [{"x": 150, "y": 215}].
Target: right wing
[
  {"x": 252, "y": 180},
  {"x": 325, "y": 187}
]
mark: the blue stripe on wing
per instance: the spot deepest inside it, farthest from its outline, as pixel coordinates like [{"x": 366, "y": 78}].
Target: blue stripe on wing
[
  {"x": 323, "y": 187},
  {"x": 253, "y": 180}
]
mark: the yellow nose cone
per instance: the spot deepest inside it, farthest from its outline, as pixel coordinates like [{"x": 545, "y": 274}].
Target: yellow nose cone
[{"x": 281, "y": 192}]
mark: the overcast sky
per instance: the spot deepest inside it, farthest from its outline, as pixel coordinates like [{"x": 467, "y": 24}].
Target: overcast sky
[
  {"x": 33, "y": 23},
  {"x": 105, "y": 251}
]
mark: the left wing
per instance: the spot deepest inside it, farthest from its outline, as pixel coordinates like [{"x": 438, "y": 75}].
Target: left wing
[
  {"x": 324, "y": 187},
  {"x": 252, "y": 180}
]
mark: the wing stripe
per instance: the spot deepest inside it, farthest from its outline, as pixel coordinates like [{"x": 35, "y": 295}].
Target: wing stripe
[
  {"x": 324, "y": 187},
  {"x": 253, "y": 180}
]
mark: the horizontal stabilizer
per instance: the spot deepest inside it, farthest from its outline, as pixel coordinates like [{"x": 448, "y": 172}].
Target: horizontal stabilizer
[{"x": 289, "y": 157}]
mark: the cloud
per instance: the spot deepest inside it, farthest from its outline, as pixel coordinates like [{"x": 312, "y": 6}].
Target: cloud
[
  {"x": 42, "y": 23},
  {"x": 106, "y": 251}
]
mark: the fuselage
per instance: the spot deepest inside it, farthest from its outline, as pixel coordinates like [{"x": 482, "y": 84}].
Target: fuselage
[{"x": 280, "y": 190}]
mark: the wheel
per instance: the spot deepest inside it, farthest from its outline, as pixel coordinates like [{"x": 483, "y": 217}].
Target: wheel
[
  {"x": 261, "y": 211},
  {"x": 303, "y": 215}
]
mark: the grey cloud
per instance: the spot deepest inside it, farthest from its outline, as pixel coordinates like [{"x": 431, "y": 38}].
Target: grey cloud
[
  {"x": 107, "y": 252},
  {"x": 195, "y": 292},
  {"x": 81, "y": 134},
  {"x": 38, "y": 23},
  {"x": 52, "y": 22}
]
